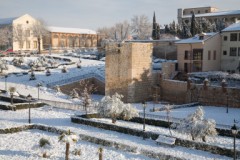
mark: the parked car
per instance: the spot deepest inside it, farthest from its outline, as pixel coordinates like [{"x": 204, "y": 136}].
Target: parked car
[{"x": 8, "y": 51}]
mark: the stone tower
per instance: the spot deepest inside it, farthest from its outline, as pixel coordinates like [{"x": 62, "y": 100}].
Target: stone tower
[{"x": 128, "y": 70}]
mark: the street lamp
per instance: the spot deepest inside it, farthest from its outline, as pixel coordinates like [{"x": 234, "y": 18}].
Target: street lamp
[
  {"x": 144, "y": 111},
  {"x": 39, "y": 85},
  {"x": 6, "y": 76},
  {"x": 234, "y": 132},
  {"x": 29, "y": 98}
]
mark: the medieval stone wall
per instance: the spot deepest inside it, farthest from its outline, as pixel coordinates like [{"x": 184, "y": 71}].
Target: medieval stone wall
[
  {"x": 183, "y": 92},
  {"x": 128, "y": 70}
]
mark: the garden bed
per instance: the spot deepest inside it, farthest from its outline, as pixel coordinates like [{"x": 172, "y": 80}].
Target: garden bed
[{"x": 148, "y": 134}]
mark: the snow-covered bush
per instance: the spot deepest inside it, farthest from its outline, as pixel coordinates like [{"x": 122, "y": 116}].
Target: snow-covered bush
[
  {"x": 196, "y": 126},
  {"x": 48, "y": 73},
  {"x": 113, "y": 107},
  {"x": 64, "y": 69},
  {"x": 44, "y": 144}
]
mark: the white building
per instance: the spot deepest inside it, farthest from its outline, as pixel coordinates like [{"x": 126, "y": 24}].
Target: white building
[
  {"x": 21, "y": 31},
  {"x": 230, "y": 59}
]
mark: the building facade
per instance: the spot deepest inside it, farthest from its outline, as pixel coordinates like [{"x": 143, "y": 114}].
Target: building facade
[
  {"x": 21, "y": 34},
  {"x": 200, "y": 53},
  {"x": 21, "y": 37},
  {"x": 230, "y": 57},
  {"x": 64, "y": 38},
  {"x": 210, "y": 13}
]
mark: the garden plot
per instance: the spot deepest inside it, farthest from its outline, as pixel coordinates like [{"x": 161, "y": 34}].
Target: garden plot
[
  {"x": 61, "y": 119},
  {"x": 225, "y": 142},
  {"x": 25, "y": 145},
  {"x": 211, "y": 112}
]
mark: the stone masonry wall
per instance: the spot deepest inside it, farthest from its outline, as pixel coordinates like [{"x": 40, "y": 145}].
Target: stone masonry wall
[
  {"x": 128, "y": 70},
  {"x": 180, "y": 92}
]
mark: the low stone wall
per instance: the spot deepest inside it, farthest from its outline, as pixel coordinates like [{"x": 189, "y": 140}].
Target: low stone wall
[
  {"x": 180, "y": 142},
  {"x": 17, "y": 106}
]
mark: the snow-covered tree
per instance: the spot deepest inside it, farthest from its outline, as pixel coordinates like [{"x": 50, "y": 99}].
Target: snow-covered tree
[
  {"x": 3, "y": 65},
  {"x": 140, "y": 26},
  {"x": 196, "y": 126},
  {"x": 12, "y": 90},
  {"x": 114, "y": 108},
  {"x": 68, "y": 138}
]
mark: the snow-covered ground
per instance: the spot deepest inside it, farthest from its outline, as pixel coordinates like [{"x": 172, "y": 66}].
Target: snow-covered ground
[
  {"x": 25, "y": 145},
  {"x": 61, "y": 118}
]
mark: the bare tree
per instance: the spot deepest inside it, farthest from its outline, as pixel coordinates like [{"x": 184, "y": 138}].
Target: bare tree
[
  {"x": 39, "y": 30},
  {"x": 6, "y": 37},
  {"x": 86, "y": 88},
  {"x": 141, "y": 27},
  {"x": 19, "y": 35},
  {"x": 122, "y": 30}
]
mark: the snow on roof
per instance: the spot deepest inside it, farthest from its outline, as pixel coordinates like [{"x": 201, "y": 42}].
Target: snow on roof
[
  {"x": 71, "y": 30},
  {"x": 233, "y": 27},
  {"x": 221, "y": 13},
  {"x": 7, "y": 20},
  {"x": 196, "y": 39}
]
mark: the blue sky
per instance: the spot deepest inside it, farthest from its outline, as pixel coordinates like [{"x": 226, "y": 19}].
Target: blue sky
[{"x": 93, "y": 14}]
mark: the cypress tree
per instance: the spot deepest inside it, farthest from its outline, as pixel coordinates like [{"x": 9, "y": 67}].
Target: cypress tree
[
  {"x": 154, "y": 29},
  {"x": 158, "y": 32},
  {"x": 193, "y": 25}
]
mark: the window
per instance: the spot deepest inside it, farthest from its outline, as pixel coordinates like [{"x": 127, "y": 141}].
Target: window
[
  {"x": 238, "y": 51},
  {"x": 214, "y": 55},
  {"x": 233, "y": 51},
  {"x": 206, "y": 11},
  {"x": 233, "y": 37},
  {"x": 239, "y": 37},
  {"x": 224, "y": 53},
  {"x": 197, "y": 54},
  {"x": 209, "y": 55},
  {"x": 28, "y": 44},
  {"x": 35, "y": 44},
  {"x": 201, "y": 37},
  {"x": 27, "y": 33},
  {"x": 186, "y": 55},
  {"x": 20, "y": 45},
  {"x": 198, "y": 11},
  {"x": 225, "y": 38}
]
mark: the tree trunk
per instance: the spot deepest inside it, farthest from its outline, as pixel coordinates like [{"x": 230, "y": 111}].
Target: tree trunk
[
  {"x": 11, "y": 98},
  {"x": 39, "y": 45},
  {"x": 204, "y": 138},
  {"x": 67, "y": 151},
  {"x": 100, "y": 154},
  {"x": 114, "y": 120}
]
